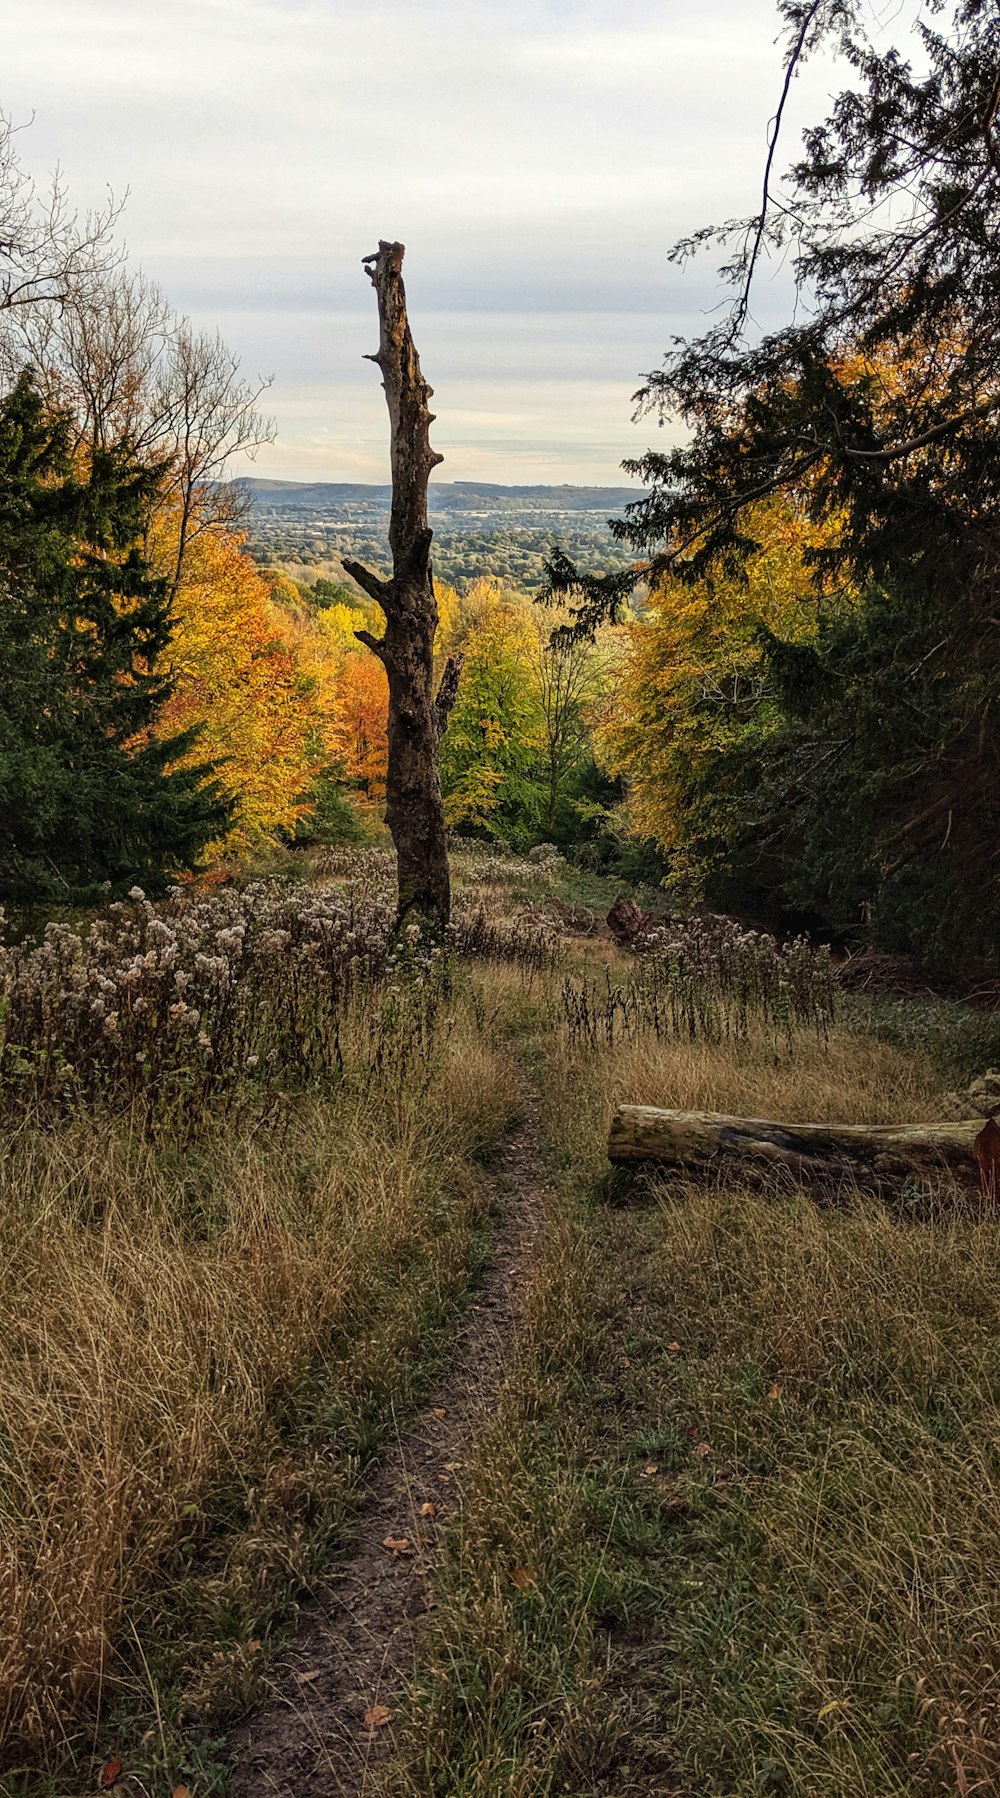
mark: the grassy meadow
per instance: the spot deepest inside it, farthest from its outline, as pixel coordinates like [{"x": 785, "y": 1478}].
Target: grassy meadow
[{"x": 730, "y": 1527}]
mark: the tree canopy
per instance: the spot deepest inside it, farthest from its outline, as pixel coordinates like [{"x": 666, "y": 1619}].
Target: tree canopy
[{"x": 874, "y": 410}]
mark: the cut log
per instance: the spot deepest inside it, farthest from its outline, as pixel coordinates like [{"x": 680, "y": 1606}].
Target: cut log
[{"x": 865, "y": 1154}]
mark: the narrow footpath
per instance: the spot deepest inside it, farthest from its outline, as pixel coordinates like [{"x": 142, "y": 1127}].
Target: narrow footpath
[{"x": 336, "y": 1688}]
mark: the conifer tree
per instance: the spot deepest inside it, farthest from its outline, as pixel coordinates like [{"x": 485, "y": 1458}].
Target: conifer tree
[{"x": 90, "y": 800}]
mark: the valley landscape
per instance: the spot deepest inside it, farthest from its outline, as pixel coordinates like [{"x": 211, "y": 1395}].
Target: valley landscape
[
  {"x": 507, "y": 532},
  {"x": 500, "y": 979}
]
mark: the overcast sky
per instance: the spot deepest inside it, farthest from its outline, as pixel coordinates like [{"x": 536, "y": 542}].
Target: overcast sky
[{"x": 537, "y": 158}]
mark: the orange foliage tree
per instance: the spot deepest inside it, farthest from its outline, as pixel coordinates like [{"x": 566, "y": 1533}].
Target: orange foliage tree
[{"x": 361, "y": 723}]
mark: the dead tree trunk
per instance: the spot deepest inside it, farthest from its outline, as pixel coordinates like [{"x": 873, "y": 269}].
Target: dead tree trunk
[{"x": 417, "y": 717}]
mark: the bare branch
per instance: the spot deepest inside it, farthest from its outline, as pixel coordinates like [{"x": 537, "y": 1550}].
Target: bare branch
[
  {"x": 129, "y": 368},
  {"x": 375, "y": 644},
  {"x": 48, "y": 253},
  {"x": 934, "y": 434},
  {"x": 989, "y": 123},
  {"x": 372, "y": 584}
]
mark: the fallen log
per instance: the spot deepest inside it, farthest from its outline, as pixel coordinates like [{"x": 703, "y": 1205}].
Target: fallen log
[{"x": 864, "y": 1154}]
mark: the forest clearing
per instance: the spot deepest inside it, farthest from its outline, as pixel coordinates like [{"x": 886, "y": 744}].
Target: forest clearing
[
  {"x": 500, "y": 1004},
  {"x": 718, "y": 1511}
]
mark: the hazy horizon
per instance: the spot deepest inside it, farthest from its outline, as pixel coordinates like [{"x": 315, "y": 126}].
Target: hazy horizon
[{"x": 538, "y": 160}]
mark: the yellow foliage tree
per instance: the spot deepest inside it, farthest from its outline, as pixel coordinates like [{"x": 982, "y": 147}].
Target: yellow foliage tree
[
  {"x": 689, "y": 681},
  {"x": 241, "y": 673},
  {"x": 491, "y": 754}
]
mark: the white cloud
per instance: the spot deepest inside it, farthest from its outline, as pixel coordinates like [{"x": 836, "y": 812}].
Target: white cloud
[{"x": 537, "y": 156}]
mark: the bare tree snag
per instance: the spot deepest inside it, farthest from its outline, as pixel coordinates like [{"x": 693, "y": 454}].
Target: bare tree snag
[
  {"x": 414, "y": 811},
  {"x": 863, "y": 1154}
]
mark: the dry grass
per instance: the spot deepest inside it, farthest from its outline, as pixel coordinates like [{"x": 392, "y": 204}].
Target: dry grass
[
  {"x": 169, "y": 1317},
  {"x": 846, "y": 1372},
  {"x": 747, "y": 1452},
  {"x": 845, "y": 1079},
  {"x": 730, "y": 1529}
]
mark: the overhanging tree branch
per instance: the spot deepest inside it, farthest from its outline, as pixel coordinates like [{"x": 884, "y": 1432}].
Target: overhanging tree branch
[{"x": 759, "y": 228}]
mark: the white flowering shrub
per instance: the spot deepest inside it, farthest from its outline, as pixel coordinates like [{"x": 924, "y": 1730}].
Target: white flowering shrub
[
  {"x": 186, "y": 998},
  {"x": 708, "y": 979},
  {"x": 210, "y": 997}
]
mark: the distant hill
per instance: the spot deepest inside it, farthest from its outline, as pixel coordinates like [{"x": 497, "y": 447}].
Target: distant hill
[
  {"x": 444, "y": 496},
  {"x": 480, "y": 527}
]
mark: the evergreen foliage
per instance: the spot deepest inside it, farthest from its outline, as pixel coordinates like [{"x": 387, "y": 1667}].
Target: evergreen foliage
[
  {"x": 89, "y": 799},
  {"x": 877, "y": 407}
]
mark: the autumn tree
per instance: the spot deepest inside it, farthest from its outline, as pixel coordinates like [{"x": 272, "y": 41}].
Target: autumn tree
[
  {"x": 361, "y": 724},
  {"x": 240, "y": 679},
  {"x": 890, "y": 223},
  {"x": 414, "y": 809},
  {"x": 491, "y": 758},
  {"x": 572, "y": 673},
  {"x": 694, "y": 710}
]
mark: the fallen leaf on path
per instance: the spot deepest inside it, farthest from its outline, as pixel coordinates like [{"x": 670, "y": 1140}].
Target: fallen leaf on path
[
  {"x": 110, "y": 1773},
  {"x": 673, "y": 1497},
  {"x": 397, "y": 1545},
  {"x": 524, "y": 1578},
  {"x": 377, "y": 1716},
  {"x": 835, "y": 1704}
]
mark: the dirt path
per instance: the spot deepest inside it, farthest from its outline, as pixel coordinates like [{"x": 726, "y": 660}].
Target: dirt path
[{"x": 357, "y": 1641}]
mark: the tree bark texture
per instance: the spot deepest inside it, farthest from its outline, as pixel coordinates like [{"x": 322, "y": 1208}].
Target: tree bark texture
[
  {"x": 414, "y": 810},
  {"x": 863, "y": 1154}
]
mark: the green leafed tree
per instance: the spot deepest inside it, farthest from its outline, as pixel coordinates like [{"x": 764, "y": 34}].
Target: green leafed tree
[
  {"x": 492, "y": 757},
  {"x": 89, "y": 799}
]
